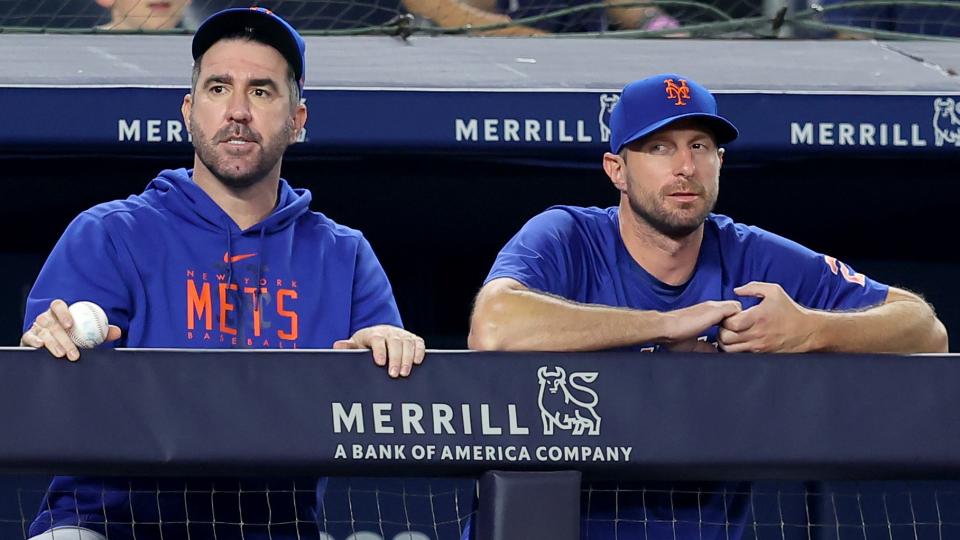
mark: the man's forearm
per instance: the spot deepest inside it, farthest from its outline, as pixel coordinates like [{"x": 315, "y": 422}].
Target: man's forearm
[
  {"x": 905, "y": 325},
  {"x": 525, "y": 320}
]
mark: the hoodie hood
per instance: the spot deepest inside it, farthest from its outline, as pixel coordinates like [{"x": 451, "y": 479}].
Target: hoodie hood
[{"x": 176, "y": 191}]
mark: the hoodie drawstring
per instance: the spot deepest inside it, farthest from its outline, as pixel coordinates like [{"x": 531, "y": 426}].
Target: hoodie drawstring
[
  {"x": 228, "y": 260},
  {"x": 256, "y": 287},
  {"x": 237, "y": 299}
]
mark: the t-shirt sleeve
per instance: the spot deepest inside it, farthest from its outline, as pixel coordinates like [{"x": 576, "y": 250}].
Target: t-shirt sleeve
[
  {"x": 373, "y": 301},
  {"x": 84, "y": 265},
  {"x": 540, "y": 255},
  {"x": 815, "y": 280}
]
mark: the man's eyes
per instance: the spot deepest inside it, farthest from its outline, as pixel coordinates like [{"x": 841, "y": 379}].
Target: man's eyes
[{"x": 221, "y": 89}]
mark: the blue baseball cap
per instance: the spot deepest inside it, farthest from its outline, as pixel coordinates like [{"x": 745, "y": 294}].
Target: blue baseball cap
[
  {"x": 260, "y": 22},
  {"x": 650, "y": 104}
]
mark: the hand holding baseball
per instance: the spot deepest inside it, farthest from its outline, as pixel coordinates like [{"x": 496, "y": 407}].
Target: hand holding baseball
[{"x": 64, "y": 330}]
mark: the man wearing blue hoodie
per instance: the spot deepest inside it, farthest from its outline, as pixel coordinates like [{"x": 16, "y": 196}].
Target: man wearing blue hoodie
[{"x": 226, "y": 255}]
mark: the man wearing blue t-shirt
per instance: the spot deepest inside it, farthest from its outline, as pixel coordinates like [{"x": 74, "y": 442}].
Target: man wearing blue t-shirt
[
  {"x": 225, "y": 255},
  {"x": 661, "y": 272}
]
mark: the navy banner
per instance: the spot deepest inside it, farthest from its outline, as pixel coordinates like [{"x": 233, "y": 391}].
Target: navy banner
[
  {"x": 669, "y": 416},
  {"x": 509, "y": 123}
]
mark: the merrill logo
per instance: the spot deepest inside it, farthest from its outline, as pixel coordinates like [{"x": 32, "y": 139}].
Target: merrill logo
[
  {"x": 558, "y": 406},
  {"x": 607, "y": 102},
  {"x": 946, "y": 121},
  {"x": 946, "y": 130}
]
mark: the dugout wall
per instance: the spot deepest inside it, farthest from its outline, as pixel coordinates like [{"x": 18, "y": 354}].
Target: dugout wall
[{"x": 440, "y": 148}]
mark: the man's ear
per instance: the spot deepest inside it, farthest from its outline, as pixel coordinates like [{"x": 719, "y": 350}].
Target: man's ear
[
  {"x": 185, "y": 109},
  {"x": 299, "y": 120},
  {"x": 615, "y": 167},
  {"x": 106, "y": 4},
  {"x": 720, "y": 153}
]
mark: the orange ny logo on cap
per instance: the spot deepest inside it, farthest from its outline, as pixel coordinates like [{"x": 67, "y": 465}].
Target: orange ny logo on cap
[{"x": 679, "y": 93}]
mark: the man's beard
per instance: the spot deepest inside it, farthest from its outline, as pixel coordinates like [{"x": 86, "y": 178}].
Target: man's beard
[
  {"x": 271, "y": 152},
  {"x": 672, "y": 224}
]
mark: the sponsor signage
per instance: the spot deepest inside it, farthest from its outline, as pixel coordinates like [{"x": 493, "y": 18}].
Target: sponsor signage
[
  {"x": 569, "y": 125},
  {"x": 657, "y": 416},
  {"x": 515, "y": 432}
]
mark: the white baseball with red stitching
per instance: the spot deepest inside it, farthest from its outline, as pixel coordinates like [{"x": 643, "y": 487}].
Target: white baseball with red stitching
[{"x": 89, "y": 325}]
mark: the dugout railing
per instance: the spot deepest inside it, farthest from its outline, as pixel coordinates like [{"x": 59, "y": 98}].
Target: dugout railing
[{"x": 614, "y": 417}]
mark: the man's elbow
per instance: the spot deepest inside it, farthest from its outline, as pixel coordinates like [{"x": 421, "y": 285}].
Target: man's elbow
[
  {"x": 496, "y": 321},
  {"x": 486, "y": 334},
  {"x": 937, "y": 340},
  {"x": 488, "y": 325},
  {"x": 940, "y": 341},
  {"x": 483, "y": 338}
]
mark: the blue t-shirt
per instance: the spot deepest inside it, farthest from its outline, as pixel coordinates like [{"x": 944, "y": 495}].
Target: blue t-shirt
[
  {"x": 577, "y": 253},
  {"x": 172, "y": 269}
]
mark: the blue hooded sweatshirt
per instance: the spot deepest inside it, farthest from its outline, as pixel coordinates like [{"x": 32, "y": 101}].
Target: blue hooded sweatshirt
[{"x": 172, "y": 270}]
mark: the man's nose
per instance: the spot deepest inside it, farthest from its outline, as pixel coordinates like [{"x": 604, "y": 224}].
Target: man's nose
[
  {"x": 238, "y": 109},
  {"x": 684, "y": 162}
]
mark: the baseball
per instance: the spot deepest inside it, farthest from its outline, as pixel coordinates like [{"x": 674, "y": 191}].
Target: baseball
[{"x": 89, "y": 324}]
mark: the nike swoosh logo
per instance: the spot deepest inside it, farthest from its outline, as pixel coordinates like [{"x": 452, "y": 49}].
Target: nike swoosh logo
[{"x": 236, "y": 258}]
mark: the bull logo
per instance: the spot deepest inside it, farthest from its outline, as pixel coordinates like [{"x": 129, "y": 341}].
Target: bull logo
[
  {"x": 679, "y": 93},
  {"x": 607, "y": 102},
  {"x": 946, "y": 121},
  {"x": 567, "y": 405}
]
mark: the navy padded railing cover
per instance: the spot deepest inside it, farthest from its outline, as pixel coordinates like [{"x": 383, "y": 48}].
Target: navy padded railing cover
[{"x": 651, "y": 416}]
